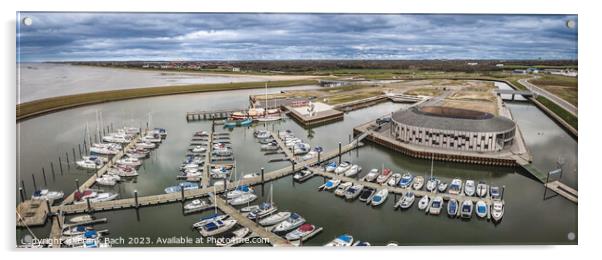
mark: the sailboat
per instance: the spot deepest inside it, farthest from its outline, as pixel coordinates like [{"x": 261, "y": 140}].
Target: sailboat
[{"x": 269, "y": 114}]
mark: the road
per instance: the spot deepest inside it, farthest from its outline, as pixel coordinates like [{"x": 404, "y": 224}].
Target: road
[{"x": 542, "y": 92}]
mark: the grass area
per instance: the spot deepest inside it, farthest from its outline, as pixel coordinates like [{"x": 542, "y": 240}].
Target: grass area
[
  {"x": 36, "y": 107},
  {"x": 565, "y": 115},
  {"x": 555, "y": 80}
]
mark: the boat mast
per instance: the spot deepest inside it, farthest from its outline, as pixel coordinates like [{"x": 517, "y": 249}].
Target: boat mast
[{"x": 432, "y": 160}]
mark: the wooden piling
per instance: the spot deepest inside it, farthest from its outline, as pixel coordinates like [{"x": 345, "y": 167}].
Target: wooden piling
[
  {"x": 44, "y": 176},
  {"x": 35, "y": 187}
]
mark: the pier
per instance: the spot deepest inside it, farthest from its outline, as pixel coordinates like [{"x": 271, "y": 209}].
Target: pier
[{"x": 211, "y": 115}]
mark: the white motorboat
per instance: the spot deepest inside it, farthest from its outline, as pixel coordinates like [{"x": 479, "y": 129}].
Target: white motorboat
[
  {"x": 116, "y": 138},
  {"x": 466, "y": 209},
  {"x": 262, "y": 210},
  {"x": 104, "y": 196},
  {"x": 145, "y": 145},
  {"x": 303, "y": 175},
  {"x": 353, "y": 170},
  {"x": 330, "y": 167},
  {"x": 80, "y": 218},
  {"x": 198, "y": 149},
  {"x": 423, "y": 203},
  {"x": 151, "y": 138},
  {"x": 379, "y": 197},
  {"x": 481, "y": 209},
  {"x": 394, "y": 179},
  {"x": 371, "y": 176},
  {"x": 469, "y": 188},
  {"x": 106, "y": 181},
  {"x": 301, "y": 232},
  {"x": 190, "y": 166},
  {"x": 301, "y": 148},
  {"x": 216, "y": 227},
  {"x": 211, "y": 218},
  {"x": 340, "y": 191},
  {"x": 129, "y": 161},
  {"x": 221, "y": 171},
  {"x": 384, "y": 177},
  {"x": 136, "y": 154},
  {"x": 242, "y": 199},
  {"x": 274, "y": 218},
  {"x": 330, "y": 184},
  {"x": 482, "y": 189},
  {"x": 262, "y": 134},
  {"x": 90, "y": 164},
  {"x": 431, "y": 184},
  {"x": 270, "y": 146},
  {"x": 406, "y": 180},
  {"x": 455, "y": 187},
  {"x": 342, "y": 240},
  {"x": 237, "y": 237},
  {"x": 45, "y": 194},
  {"x": 239, "y": 191},
  {"x": 361, "y": 243},
  {"x": 436, "y": 205},
  {"x": 497, "y": 210},
  {"x": 452, "y": 208},
  {"x": 343, "y": 167},
  {"x": 75, "y": 231},
  {"x": 353, "y": 192},
  {"x": 442, "y": 187},
  {"x": 292, "y": 222},
  {"x": 418, "y": 183},
  {"x": 251, "y": 175},
  {"x": 123, "y": 171},
  {"x": 103, "y": 150},
  {"x": 197, "y": 204},
  {"x": 222, "y": 152},
  {"x": 108, "y": 145},
  {"x": 407, "y": 200}
]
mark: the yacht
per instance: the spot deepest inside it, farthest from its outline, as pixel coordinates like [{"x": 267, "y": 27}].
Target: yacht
[
  {"x": 383, "y": 177},
  {"x": 198, "y": 149},
  {"x": 353, "y": 170},
  {"x": 482, "y": 189},
  {"x": 197, "y": 204},
  {"x": 431, "y": 184},
  {"x": 262, "y": 134},
  {"x": 436, "y": 205},
  {"x": 340, "y": 190},
  {"x": 371, "y": 176},
  {"x": 423, "y": 202},
  {"x": 407, "y": 200},
  {"x": 129, "y": 161},
  {"x": 418, "y": 183},
  {"x": 262, "y": 210},
  {"x": 182, "y": 185},
  {"x": 45, "y": 194},
  {"x": 394, "y": 179},
  {"x": 406, "y": 180},
  {"x": 301, "y": 232},
  {"x": 455, "y": 187},
  {"x": 481, "y": 209},
  {"x": 274, "y": 219},
  {"x": 452, "y": 208},
  {"x": 216, "y": 227},
  {"x": 366, "y": 194},
  {"x": 205, "y": 220},
  {"x": 292, "y": 222},
  {"x": 466, "y": 209},
  {"x": 239, "y": 191},
  {"x": 497, "y": 210},
  {"x": 330, "y": 184},
  {"x": 469, "y": 188},
  {"x": 106, "y": 181},
  {"x": 90, "y": 163},
  {"x": 301, "y": 148},
  {"x": 379, "y": 197},
  {"x": 330, "y": 167},
  {"x": 342, "y": 240},
  {"x": 122, "y": 171},
  {"x": 303, "y": 175},
  {"x": 242, "y": 199},
  {"x": 354, "y": 191},
  {"x": 442, "y": 187},
  {"x": 343, "y": 167},
  {"x": 145, "y": 145}
]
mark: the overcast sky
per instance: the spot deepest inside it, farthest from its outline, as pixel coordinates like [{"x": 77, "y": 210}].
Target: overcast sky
[{"x": 162, "y": 36}]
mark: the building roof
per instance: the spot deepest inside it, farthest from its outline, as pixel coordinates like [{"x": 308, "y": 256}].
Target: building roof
[{"x": 446, "y": 118}]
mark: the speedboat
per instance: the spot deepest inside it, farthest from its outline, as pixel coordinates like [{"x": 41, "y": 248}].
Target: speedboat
[
  {"x": 292, "y": 222},
  {"x": 497, "y": 210},
  {"x": 216, "y": 227},
  {"x": 407, "y": 200},
  {"x": 342, "y": 240},
  {"x": 481, "y": 209},
  {"x": 198, "y": 149},
  {"x": 204, "y": 220},
  {"x": 47, "y": 195},
  {"x": 466, "y": 209},
  {"x": 431, "y": 184},
  {"x": 442, "y": 187},
  {"x": 482, "y": 189},
  {"x": 353, "y": 170},
  {"x": 340, "y": 191},
  {"x": 469, "y": 188},
  {"x": 303, "y": 175},
  {"x": 423, "y": 202},
  {"x": 406, "y": 180},
  {"x": 366, "y": 194},
  {"x": 361, "y": 243},
  {"x": 436, "y": 206},
  {"x": 239, "y": 191},
  {"x": 262, "y": 210},
  {"x": 104, "y": 196},
  {"x": 353, "y": 192},
  {"x": 196, "y": 204},
  {"x": 129, "y": 161},
  {"x": 379, "y": 197},
  {"x": 418, "y": 183},
  {"x": 242, "y": 199},
  {"x": 343, "y": 167},
  {"x": 394, "y": 179},
  {"x": 183, "y": 185},
  {"x": 235, "y": 238},
  {"x": 80, "y": 239},
  {"x": 455, "y": 187},
  {"x": 330, "y": 167},
  {"x": 495, "y": 192},
  {"x": 274, "y": 218},
  {"x": 452, "y": 208},
  {"x": 383, "y": 177},
  {"x": 330, "y": 184},
  {"x": 301, "y": 232},
  {"x": 371, "y": 176}
]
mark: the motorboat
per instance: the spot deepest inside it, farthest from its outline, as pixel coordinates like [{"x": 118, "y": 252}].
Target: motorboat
[
  {"x": 262, "y": 134},
  {"x": 80, "y": 239},
  {"x": 266, "y": 140},
  {"x": 190, "y": 166},
  {"x": 275, "y": 218},
  {"x": 198, "y": 149},
  {"x": 301, "y": 148},
  {"x": 353, "y": 192},
  {"x": 74, "y": 231},
  {"x": 216, "y": 227},
  {"x": 482, "y": 189},
  {"x": 423, "y": 203},
  {"x": 497, "y": 210},
  {"x": 406, "y": 180},
  {"x": 129, "y": 161},
  {"x": 330, "y": 167},
  {"x": 342, "y": 240},
  {"x": 242, "y": 199},
  {"x": 108, "y": 145},
  {"x": 82, "y": 196},
  {"x": 272, "y": 146},
  {"x": 452, "y": 208},
  {"x": 353, "y": 170},
  {"x": 106, "y": 181},
  {"x": 183, "y": 185},
  {"x": 301, "y": 232},
  {"x": 481, "y": 209},
  {"x": 340, "y": 191},
  {"x": 239, "y": 191},
  {"x": 262, "y": 210},
  {"x": 330, "y": 184},
  {"x": 379, "y": 197},
  {"x": 220, "y": 172},
  {"x": 151, "y": 138},
  {"x": 191, "y": 173},
  {"x": 442, "y": 187},
  {"x": 196, "y": 204},
  {"x": 80, "y": 218},
  {"x": 103, "y": 150},
  {"x": 431, "y": 184},
  {"x": 145, "y": 145},
  {"x": 366, "y": 194},
  {"x": 343, "y": 167},
  {"x": 45, "y": 194},
  {"x": 436, "y": 205},
  {"x": 160, "y": 131},
  {"x": 303, "y": 175},
  {"x": 251, "y": 175},
  {"x": 235, "y": 238},
  {"x": 104, "y": 196},
  {"x": 222, "y": 152},
  {"x": 204, "y": 220},
  {"x": 455, "y": 187},
  {"x": 495, "y": 192},
  {"x": 234, "y": 123},
  {"x": 90, "y": 162},
  {"x": 418, "y": 183},
  {"x": 407, "y": 200},
  {"x": 372, "y": 175},
  {"x": 384, "y": 176},
  {"x": 394, "y": 179},
  {"x": 313, "y": 153},
  {"x": 116, "y": 138},
  {"x": 201, "y": 133},
  {"x": 469, "y": 188},
  {"x": 292, "y": 222},
  {"x": 122, "y": 171},
  {"x": 361, "y": 243},
  {"x": 285, "y": 133},
  {"x": 466, "y": 209}
]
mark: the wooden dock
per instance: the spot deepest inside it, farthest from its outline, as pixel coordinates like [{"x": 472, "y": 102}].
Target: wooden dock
[
  {"x": 56, "y": 230},
  {"x": 206, "y": 176},
  {"x": 563, "y": 190},
  {"x": 32, "y": 213},
  {"x": 211, "y": 115},
  {"x": 319, "y": 118}
]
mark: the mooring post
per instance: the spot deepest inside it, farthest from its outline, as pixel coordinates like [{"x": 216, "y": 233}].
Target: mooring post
[
  {"x": 77, "y": 185},
  {"x": 74, "y": 158},
  {"x": 49, "y": 207},
  {"x": 262, "y": 172},
  {"x": 35, "y": 187},
  {"x": 22, "y": 192},
  {"x": 339, "y": 152},
  {"x": 136, "y": 198},
  {"x": 89, "y": 205},
  {"x": 79, "y": 149},
  {"x": 182, "y": 191},
  {"x": 44, "y": 176},
  {"x": 349, "y": 137},
  {"x": 293, "y": 164},
  {"x": 319, "y": 153},
  {"x": 67, "y": 156}
]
